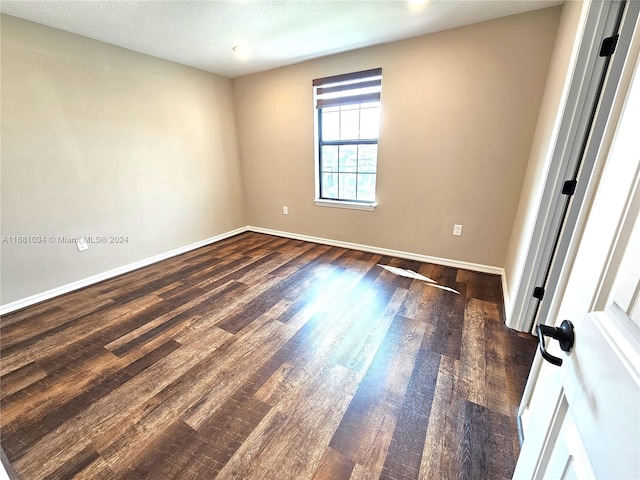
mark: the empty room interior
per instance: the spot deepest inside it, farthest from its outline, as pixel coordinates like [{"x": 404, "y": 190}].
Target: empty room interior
[{"x": 272, "y": 240}]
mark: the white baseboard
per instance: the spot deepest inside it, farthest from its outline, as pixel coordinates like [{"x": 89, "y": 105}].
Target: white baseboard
[
  {"x": 85, "y": 282},
  {"x": 506, "y": 298},
  {"x": 476, "y": 267},
  {"x": 55, "y": 292}
]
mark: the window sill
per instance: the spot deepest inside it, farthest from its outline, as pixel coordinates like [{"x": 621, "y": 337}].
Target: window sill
[{"x": 370, "y": 207}]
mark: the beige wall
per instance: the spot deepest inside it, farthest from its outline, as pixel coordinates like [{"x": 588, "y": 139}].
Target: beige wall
[
  {"x": 541, "y": 150},
  {"x": 98, "y": 140},
  {"x": 102, "y": 141},
  {"x": 459, "y": 115}
]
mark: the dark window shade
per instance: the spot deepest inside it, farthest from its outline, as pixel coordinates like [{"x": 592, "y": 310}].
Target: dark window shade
[
  {"x": 374, "y": 72},
  {"x": 349, "y": 88},
  {"x": 334, "y": 102}
]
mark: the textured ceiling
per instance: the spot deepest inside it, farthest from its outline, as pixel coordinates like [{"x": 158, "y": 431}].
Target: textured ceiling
[{"x": 201, "y": 34}]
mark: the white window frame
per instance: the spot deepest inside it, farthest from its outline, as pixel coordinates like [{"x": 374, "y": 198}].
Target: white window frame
[{"x": 364, "y": 76}]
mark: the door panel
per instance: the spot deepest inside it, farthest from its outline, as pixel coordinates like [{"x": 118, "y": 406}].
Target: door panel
[
  {"x": 568, "y": 459},
  {"x": 626, "y": 289},
  {"x": 603, "y": 390}
]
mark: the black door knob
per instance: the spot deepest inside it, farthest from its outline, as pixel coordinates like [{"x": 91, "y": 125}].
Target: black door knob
[{"x": 564, "y": 334}]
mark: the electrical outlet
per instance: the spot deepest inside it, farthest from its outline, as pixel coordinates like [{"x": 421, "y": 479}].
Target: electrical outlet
[
  {"x": 457, "y": 230},
  {"x": 285, "y": 210},
  {"x": 82, "y": 244}
]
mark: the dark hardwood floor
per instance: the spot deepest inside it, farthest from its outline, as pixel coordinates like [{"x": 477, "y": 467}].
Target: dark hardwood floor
[{"x": 261, "y": 357}]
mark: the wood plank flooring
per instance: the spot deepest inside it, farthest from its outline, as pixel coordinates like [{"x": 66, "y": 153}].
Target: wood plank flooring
[{"x": 261, "y": 357}]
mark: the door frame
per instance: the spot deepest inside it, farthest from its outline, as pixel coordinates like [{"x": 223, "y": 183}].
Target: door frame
[
  {"x": 631, "y": 67},
  {"x": 572, "y": 122},
  {"x": 608, "y": 220}
]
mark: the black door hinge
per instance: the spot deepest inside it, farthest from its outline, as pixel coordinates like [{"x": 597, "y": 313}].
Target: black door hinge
[
  {"x": 538, "y": 293},
  {"x": 608, "y": 46},
  {"x": 569, "y": 187}
]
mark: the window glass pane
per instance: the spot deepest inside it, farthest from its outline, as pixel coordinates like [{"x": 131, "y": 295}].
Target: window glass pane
[
  {"x": 367, "y": 187},
  {"x": 369, "y": 121},
  {"x": 347, "y": 186},
  {"x": 330, "y": 123},
  {"x": 348, "y": 158},
  {"x": 349, "y": 122},
  {"x": 329, "y": 187},
  {"x": 329, "y": 158},
  {"x": 367, "y": 158}
]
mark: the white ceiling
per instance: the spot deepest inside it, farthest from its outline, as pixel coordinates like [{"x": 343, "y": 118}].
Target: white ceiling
[{"x": 201, "y": 34}]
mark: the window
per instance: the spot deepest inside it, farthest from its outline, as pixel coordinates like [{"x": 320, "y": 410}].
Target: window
[{"x": 347, "y": 125}]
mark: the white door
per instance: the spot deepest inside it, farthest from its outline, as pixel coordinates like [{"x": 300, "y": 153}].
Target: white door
[{"x": 582, "y": 419}]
